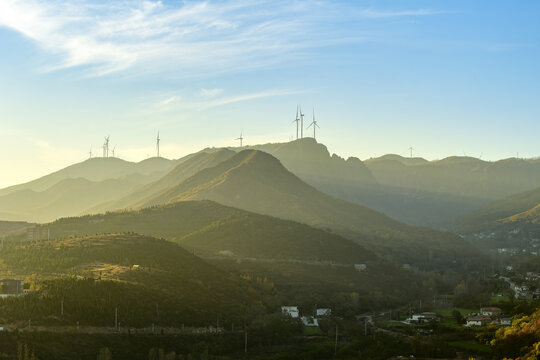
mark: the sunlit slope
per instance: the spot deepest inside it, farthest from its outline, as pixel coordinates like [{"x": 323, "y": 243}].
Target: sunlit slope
[
  {"x": 133, "y": 273},
  {"x": 516, "y": 208},
  {"x": 215, "y": 229},
  {"x": 256, "y": 181},
  {"x": 190, "y": 166},
  {"x": 531, "y": 216},
  {"x": 66, "y": 198},
  {"x": 98, "y": 169}
]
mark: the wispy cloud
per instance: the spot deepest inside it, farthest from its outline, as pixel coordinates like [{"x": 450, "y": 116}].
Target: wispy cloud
[
  {"x": 173, "y": 103},
  {"x": 101, "y": 38},
  {"x": 209, "y": 93},
  {"x": 377, "y": 14}
]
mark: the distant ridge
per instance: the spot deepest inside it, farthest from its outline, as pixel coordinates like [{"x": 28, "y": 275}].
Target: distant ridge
[
  {"x": 311, "y": 160},
  {"x": 97, "y": 169},
  {"x": 258, "y": 182},
  {"x": 459, "y": 175}
]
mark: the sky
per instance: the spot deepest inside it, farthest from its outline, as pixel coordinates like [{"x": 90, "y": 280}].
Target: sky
[{"x": 445, "y": 77}]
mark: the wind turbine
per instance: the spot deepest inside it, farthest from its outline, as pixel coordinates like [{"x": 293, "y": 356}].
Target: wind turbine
[
  {"x": 114, "y": 148},
  {"x": 240, "y": 138},
  {"x": 157, "y": 143},
  {"x": 296, "y": 121},
  {"x": 90, "y": 152},
  {"x": 301, "y": 124},
  {"x": 314, "y": 124},
  {"x": 411, "y": 150},
  {"x": 106, "y": 147}
]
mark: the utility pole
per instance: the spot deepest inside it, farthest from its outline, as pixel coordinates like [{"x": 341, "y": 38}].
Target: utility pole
[
  {"x": 335, "y": 345},
  {"x": 62, "y": 307},
  {"x": 245, "y": 342}
]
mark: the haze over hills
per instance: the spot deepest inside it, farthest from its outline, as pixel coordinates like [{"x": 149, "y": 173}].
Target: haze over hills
[
  {"x": 511, "y": 223},
  {"x": 71, "y": 196},
  {"x": 98, "y": 169},
  {"x": 462, "y": 176},
  {"x": 258, "y": 182},
  {"x": 311, "y": 161},
  {"x": 186, "y": 168},
  {"x": 513, "y": 208},
  {"x": 412, "y": 190}
]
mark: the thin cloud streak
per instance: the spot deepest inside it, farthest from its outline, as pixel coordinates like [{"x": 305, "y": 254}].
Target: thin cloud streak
[
  {"x": 378, "y": 14},
  {"x": 173, "y": 103},
  {"x": 149, "y": 36}
]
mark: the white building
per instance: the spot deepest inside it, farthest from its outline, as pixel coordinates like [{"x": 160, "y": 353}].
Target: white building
[
  {"x": 360, "y": 267},
  {"x": 323, "y": 312},
  {"x": 505, "y": 320},
  {"x": 309, "y": 321},
  {"x": 490, "y": 311},
  {"x": 478, "y": 320},
  {"x": 291, "y": 311}
]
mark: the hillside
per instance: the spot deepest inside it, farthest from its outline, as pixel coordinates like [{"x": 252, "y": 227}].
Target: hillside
[
  {"x": 214, "y": 229},
  {"x": 98, "y": 169},
  {"x": 66, "y": 198},
  {"x": 531, "y": 216},
  {"x": 295, "y": 258},
  {"x": 257, "y": 182},
  {"x": 186, "y": 168},
  {"x": 518, "y": 207},
  {"x": 185, "y": 289}
]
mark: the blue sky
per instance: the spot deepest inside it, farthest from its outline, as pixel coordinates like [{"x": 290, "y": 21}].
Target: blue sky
[{"x": 447, "y": 77}]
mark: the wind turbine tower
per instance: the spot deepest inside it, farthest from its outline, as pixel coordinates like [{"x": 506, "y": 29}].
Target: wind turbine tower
[
  {"x": 296, "y": 121},
  {"x": 240, "y": 138},
  {"x": 314, "y": 124},
  {"x": 114, "y": 148},
  {"x": 157, "y": 143},
  {"x": 90, "y": 152},
  {"x": 106, "y": 147},
  {"x": 301, "y": 124},
  {"x": 411, "y": 150}
]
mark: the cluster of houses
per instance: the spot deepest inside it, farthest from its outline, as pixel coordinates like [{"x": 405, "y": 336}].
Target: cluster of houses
[
  {"x": 293, "y": 312},
  {"x": 522, "y": 291},
  {"x": 488, "y": 315}
]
